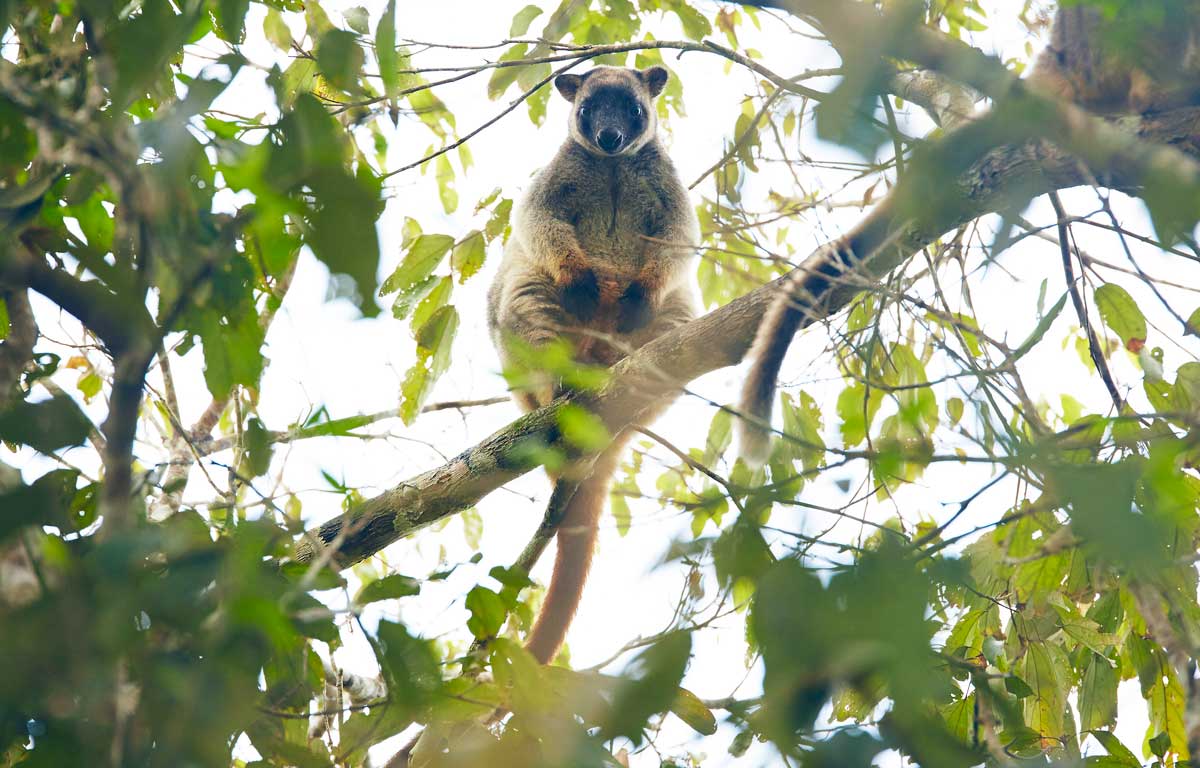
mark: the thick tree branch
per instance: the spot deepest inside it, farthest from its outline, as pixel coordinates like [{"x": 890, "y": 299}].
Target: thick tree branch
[
  {"x": 115, "y": 321},
  {"x": 722, "y": 337},
  {"x": 17, "y": 349},
  {"x": 948, "y": 102}
]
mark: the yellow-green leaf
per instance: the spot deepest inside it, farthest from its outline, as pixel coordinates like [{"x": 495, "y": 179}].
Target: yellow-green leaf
[
  {"x": 276, "y": 30},
  {"x": 522, "y": 20},
  {"x": 688, "y": 708},
  {"x": 388, "y": 588},
  {"x": 1121, "y": 313},
  {"x": 582, "y": 428},
  {"x": 423, "y": 256},
  {"x": 445, "y": 182},
  {"x": 468, "y": 255}
]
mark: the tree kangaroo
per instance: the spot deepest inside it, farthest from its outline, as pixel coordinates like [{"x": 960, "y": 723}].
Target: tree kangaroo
[
  {"x": 1093, "y": 60},
  {"x": 600, "y": 254}
]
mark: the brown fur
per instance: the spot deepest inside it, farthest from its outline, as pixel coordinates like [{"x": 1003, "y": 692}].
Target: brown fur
[
  {"x": 786, "y": 316},
  {"x": 600, "y": 253},
  {"x": 577, "y": 536}
]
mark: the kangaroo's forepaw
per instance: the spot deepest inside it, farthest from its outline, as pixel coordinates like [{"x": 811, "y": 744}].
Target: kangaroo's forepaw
[{"x": 581, "y": 296}]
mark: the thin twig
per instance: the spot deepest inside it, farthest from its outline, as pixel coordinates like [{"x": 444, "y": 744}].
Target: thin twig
[{"x": 1097, "y": 353}]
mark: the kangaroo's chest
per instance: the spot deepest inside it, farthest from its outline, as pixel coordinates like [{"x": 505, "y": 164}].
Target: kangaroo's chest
[{"x": 616, "y": 213}]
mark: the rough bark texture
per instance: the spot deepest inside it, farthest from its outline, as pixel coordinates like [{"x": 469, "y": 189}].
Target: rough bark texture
[{"x": 721, "y": 338}]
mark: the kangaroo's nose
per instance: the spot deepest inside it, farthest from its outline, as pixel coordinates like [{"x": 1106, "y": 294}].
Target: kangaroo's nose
[{"x": 609, "y": 139}]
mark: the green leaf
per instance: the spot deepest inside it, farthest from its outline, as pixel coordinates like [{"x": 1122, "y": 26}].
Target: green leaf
[
  {"x": 434, "y": 340},
  {"x": 857, "y": 410},
  {"x": 522, "y": 20},
  {"x": 582, "y": 429},
  {"x": 969, "y": 633},
  {"x": 1084, "y": 631},
  {"x": 436, "y": 299},
  {"x": 1116, "y": 749},
  {"x": 741, "y": 551},
  {"x": 802, "y": 424},
  {"x": 1017, "y": 687},
  {"x": 688, "y": 708},
  {"x": 502, "y": 77},
  {"x": 1173, "y": 206},
  {"x": 232, "y": 352},
  {"x": 1121, "y": 313},
  {"x": 445, "y": 183},
  {"x": 232, "y": 16},
  {"x": 413, "y": 391},
  {"x": 650, "y": 686},
  {"x": 89, "y": 385},
  {"x": 279, "y": 746},
  {"x": 409, "y": 667},
  {"x": 741, "y": 742},
  {"x": 472, "y": 523},
  {"x": 511, "y": 577},
  {"x": 46, "y": 502},
  {"x": 1043, "y": 669},
  {"x": 1185, "y": 395},
  {"x": 954, "y": 409},
  {"x": 1160, "y": 745},
  {"x": 361, "y": 728},
  {"x": 960, "y": 718},
  {"x": 96, "y": 222},
  {"x": 388, "y": 58},
  {"x": 340, "y": 59},
  {"x": 357, "y": 19},
  {"x": 488, "y": 612},
  {"x": 720, "y": 435},
  {"x": 1098, "y": 695},
  {"x": 423, "y": 257},
  {"x": 143, "y": 45},
  {"x": 276, "y": 30},
  {"x": 407, "y": 300},
  {"x": 1167, "y": 702},
  {"x": 618, "y": 507},
  {"x": 45, "y": 426},
  {"x": 695, "y": 25},
  {"x": 388, "y": 588},
  {"x": 311, "y": 618},
  {"x": 258, "y": 447},
  {"x": 1040, "y": 330},
  {"x": 468, "y": 255},
  {"x": 497, "y": 225},
  {"x": 436, "y": 336},
  {"x": 342, "y": 218}
]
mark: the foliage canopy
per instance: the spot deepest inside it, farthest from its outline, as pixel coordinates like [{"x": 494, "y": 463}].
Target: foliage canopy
[{"x": 994, "y": 627}]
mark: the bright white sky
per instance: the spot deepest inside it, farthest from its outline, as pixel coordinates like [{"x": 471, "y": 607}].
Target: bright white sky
[{"x": 322, "y": 353}]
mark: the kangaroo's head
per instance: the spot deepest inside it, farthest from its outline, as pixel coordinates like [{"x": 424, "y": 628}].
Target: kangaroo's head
[{"x": 612, "y": 108}]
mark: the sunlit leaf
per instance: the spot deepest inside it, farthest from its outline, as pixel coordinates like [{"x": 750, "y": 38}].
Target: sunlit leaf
[{"x": 1121, "y": 313}]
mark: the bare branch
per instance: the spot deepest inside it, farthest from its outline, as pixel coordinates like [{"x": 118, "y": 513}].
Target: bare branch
[{"x": 1097, "y": 352}]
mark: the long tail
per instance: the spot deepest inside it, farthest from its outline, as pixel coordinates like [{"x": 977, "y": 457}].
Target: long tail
[
  {"x": 812, "y": 281},
  {"x": 770, "y": 346},
  {"x": 576, "y": 543}
]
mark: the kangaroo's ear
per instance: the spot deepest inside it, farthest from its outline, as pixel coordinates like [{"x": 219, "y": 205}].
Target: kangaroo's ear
[
  {"x": 568, "y": 85},
  {"x": 655, "y": 79}
]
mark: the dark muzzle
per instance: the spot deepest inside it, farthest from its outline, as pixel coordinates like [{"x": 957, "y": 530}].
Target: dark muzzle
[{"x": 609, "y": 139}]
